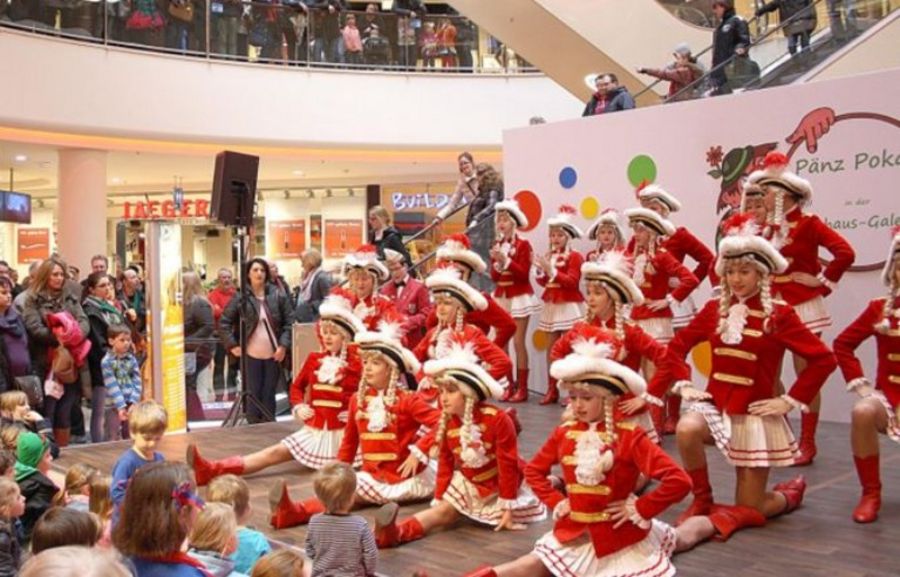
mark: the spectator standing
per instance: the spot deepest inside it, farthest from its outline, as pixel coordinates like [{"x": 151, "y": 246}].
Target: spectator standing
[
  {"x": 101, "y": 315},
  {"x": 50, "y": 295},
  {"x": 199, "y": 336},
  {"x": 842, "y": 29},
  {"x": 798, "y": 18},
  {"x": 19, "y": 299},
  {"x": 376, "y": 48},
  {"x": 278, "y": 280},
  {"x": 145, "y": 24},
  {"x": 180, "y": 24},
  {"x": 219, "y": 298},
  {"x": 315, "y": 284},
  {"x": 329, "y": 29},
  {"x": 409, "y": 21},
  {"x": 429, "y": 45},
  {"x": 133, "y": 296},
  {"x": 447, "y": 43},
  {"x": 372, "y": 21},
  {"x": 410, "y": 296},
  {"x": 14, "y": 355},
  {"x": 122, "y": 381},
  {"x": 680, "y": 73},
  {"x": 466, "y": 37},
  {"x": 610, "y": 97},
  {"x": 730, "y": 38},
  {"x": 353, "y": 48},
  {"x": 268, "y": 317},
  {"x": 383, "y": 235},
  {"x": 225, "y": 19}
]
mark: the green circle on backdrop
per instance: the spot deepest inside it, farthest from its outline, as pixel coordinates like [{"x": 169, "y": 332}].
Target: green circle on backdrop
[{"x": 641, "y": 169}]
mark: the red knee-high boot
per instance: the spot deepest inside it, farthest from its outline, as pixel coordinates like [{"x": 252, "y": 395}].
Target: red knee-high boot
[
  {"x": 703, "y": 497},
  {"x": 793, "y": 493},
  {"x": 808, "y": 424},
  {"x": 657, "y": 415},
  {"x": 673, "y": 412},
  {"x": 389, "y": 533},
  {"x": 285, "y": 513},
  {"x": 728, "y": 519},
  {"x": 870, "y": 479},
  {"x": 552, "y": 395},
  {"x": 521, "y": 395},
  {"x": 510, "y": 389},
  {"x": 205, "y": 471}
]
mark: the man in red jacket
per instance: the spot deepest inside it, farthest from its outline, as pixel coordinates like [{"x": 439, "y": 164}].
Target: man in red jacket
[
  {"x": 410, "y": 297},
  {"x": 219, "y": 298}
]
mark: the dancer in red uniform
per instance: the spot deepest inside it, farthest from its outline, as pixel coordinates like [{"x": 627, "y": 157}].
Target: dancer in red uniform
[
  {"x": 878, "y": 407},
  {"x": 511, "y": 272},
  {"x": 740, "y": 411},
  {"x": 609, "y": 289},
  {"x": 479, "y": 471},
  {"x": 804, "y": 283},
  {"x": 680, "y": 244},
  {"x": 559, "y": 272},
  {"x": 457, "y": 252},
  {"x": 608, "y": 233},
  {"x": 410, "y": 297},
  {"x": 365, "y": 272},
  {"x": 320, "y": 395},
  {"x": 382, "y": 432}
]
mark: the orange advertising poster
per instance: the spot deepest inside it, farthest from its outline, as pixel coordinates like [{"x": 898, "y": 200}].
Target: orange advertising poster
[
  {"x": 34, "y": 244},
  {"x": 286, "y": 239},
  {"x": 342, "y": 237}
]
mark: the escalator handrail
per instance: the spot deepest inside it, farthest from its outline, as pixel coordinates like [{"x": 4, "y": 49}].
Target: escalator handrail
[{"x": 422, "y": 261}]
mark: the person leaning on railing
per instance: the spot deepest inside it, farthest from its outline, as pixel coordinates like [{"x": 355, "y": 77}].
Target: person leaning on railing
[{"x": 681, "y": 72}]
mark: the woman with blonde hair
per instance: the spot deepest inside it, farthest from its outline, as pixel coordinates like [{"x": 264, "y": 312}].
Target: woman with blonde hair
[
  {"x": 383, "y": 235},
  {"x": 199, "y": 336}
]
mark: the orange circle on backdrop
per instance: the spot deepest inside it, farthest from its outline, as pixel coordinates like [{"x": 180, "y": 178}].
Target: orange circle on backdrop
[
  {"x": 590, "y": 208},
  {"x": 540, "y": 340},
  {"x": 702, "y": 357},
  {"x": 531, "y": 206}
]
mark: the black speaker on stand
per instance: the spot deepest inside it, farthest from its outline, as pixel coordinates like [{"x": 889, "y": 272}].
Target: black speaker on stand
[{"x": 234, "y": 204}]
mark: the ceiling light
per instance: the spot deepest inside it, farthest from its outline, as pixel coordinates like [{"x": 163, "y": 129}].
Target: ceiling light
[
  {"x": 298, "y": 173},
  {"x": 20, "y": 158},
  {"x": 116, "y": 180}
]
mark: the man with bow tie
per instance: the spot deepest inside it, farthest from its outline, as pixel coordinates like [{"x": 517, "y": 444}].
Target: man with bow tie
[{"x": 410, "y": 296}]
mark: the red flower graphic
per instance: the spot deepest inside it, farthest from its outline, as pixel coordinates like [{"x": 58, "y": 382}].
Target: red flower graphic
[{"x": 714, "y": 156}]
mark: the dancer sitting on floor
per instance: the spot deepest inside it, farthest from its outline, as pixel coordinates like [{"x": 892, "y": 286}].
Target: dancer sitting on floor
[
  {"x": 511, "y": 271},
  {"x": 608, "y": 291},
  {"x": 479, "y": 471},
  {"x": 740, "y": 410},
  {"x": 878, "y": 408},
  {"x": 320, "y": 396},
  {"x": 382, "y": 430}
]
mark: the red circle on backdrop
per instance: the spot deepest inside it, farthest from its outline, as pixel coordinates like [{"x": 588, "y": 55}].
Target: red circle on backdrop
[{"x": 531, "y": 206}]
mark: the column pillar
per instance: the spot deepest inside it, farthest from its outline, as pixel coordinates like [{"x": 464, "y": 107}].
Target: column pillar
[{"x": 81, "y": 209}]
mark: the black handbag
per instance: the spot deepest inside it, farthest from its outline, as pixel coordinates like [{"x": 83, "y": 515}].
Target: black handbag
[{"x": 33, "y": 388}]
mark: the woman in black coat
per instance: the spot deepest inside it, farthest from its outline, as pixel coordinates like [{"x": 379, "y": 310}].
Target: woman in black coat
[
  {"x": 199, "y": 332},
  {"x": 383, "y": 235},
  {"x": 268, "y": 316}
]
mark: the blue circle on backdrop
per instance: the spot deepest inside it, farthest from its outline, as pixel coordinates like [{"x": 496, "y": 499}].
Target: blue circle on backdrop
[{"x": 568, "y": 177}]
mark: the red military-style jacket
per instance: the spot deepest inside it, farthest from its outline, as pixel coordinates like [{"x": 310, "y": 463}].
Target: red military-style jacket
[
  {"x": 805, "y": 234},
  {"x": 384, "y": 451},
  {"x": 656, "y": 284},
  {"x": 328, "y": 399},
  {"x": 413, "y": 301},
  {"x": 515, "y": 279},
  {"x": 887, "y": 344},
  {"x": 502, "y": 474},
  {"x": 747, "y": 372},
  {"x": 494, "y": 316},
  {"x": 684, "y": 243},
  {"x": 564, "y": 286},
  {"x": 492, "y": 357},
  {"x": 637, "y": 345},
  {"x": 373, "y": 308},
  {"x": 633, "y": 454}
]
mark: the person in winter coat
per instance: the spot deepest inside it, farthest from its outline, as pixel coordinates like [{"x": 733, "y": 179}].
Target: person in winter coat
[
  {"x": 798, "y": 18},
  {"x": 268, "y": 317},
  {"x": 315, "y": 284},
  {"x": 680, "y": 73},
  {"x": 731, "y": 37},
  {"x": 32, "y": 465},
  {"x": 14, "y": 358},
  {"x": 383, "y": 235},
  {"x": 610, "y": 97},
  {"x": 50, "y": 294},
  {"x": 199, "y": 331}
]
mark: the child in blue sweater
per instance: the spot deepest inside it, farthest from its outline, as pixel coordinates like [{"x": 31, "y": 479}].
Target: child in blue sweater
[
  {"x": 147, "y": 423},
  {"x": 252, "y": 544},
  {"x": 122, "y": 379}
]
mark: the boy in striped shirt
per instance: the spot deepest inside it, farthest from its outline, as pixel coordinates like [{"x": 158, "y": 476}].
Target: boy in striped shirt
[
  {"x": 122, "y": 379},
  {"x": 339, "y": 543}
]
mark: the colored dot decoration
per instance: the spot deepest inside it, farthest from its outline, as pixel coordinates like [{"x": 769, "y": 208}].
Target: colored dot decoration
[
  {"x": 641, "y": 169},
  {"x": 702, "y": 357},
  {"x": 590, "y": 208},
  {"x": 531, "y": 206},
  {"x": 540, "y": 340},
  {"x": 568, "y": 177}
]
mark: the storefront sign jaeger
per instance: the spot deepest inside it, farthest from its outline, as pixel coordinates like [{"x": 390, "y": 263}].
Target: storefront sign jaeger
[{"x": 165, "y": 209}]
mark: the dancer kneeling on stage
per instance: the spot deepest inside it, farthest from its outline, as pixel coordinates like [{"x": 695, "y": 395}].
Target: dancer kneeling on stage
[
  {"x": 878, "y": 408},
  {"x": 749, "y": 333},
  {"x": 479, "y": 472},
  {"x": 320, "y": 396},
  {"x": 382, "y": 430}
]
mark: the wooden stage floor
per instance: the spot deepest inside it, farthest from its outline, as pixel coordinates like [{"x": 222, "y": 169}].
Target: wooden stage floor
[{"x": 819, "y": 539}]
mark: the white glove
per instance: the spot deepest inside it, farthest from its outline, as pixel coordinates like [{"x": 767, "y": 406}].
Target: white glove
[{"x": 302, "y": 412}]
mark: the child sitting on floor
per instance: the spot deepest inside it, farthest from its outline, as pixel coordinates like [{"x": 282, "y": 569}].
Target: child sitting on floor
[{"x": 252, "y": 544}]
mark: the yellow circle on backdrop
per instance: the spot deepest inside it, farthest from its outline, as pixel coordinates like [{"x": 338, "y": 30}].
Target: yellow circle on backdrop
[
  {"x": 702, "y": 357},
  {"x": 540, "y": 340},
  {"x": 590, "y": 208}
]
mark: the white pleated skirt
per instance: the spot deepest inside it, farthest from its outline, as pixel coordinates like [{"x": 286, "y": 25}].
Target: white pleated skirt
[
  {"x": 659, "y": 328},
  {"x": 814, "y": 314},
  {"x": 560, "y": 316},
  {"x": 749, "y": 440},
  {"x": 463, "y": 495},
  {"x": 647, "y": 558},
  {"x": 683, "y": 312},
  {"x": 417, "y": 488},
  {"x": 521, "y": 306},
  {"x": 312, "y": 447},
  {"x": 893, "y": 416}
]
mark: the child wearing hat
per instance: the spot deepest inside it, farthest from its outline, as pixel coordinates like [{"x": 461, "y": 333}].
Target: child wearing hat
[
  {"x": 32, "y": 466},
  {"x": 365, "y": 272},
  {"x": 607, "y": 233},
  {"x": 479, "y": 472},
  {"x": 382, "y": 429},
  {"x": 511, "y": 259},
  {"x": 319, "y": 395},
  {"x": 878, "y": 408}
]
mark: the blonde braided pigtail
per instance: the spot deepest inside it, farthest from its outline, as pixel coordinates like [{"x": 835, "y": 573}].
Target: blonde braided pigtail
[
  {"x": 440, "y": 434},
  {"x": 361, "y": 398},
  {"x": 884, "y": 325},
  {"x": 620, "y": 321},
  {"x": 609, "y": 423},
  {"x": 465, "y": 433},
  {"x": 390, "y": 397},
  {"x": 765, "y": 297},
  {"x": 460, "y": 320},
  {"x": 724, "y": 305},
  {"x": 651, "y": 253}
]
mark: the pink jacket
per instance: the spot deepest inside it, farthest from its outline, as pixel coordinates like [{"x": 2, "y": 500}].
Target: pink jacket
[{"x": 68, "y": 333}]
